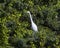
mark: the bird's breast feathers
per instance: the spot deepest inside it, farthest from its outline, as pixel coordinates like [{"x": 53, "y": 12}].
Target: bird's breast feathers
[{"x": 34, "y": 27}]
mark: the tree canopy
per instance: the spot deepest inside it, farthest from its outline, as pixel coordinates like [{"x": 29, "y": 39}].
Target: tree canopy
[{"x": 15, "y": 25}]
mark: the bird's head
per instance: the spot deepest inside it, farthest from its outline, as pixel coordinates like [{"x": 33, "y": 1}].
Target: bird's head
[{"x": 28, "y": 12}]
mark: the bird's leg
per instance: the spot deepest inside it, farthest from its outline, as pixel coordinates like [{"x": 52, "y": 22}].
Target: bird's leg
[{"x": 34, "y": 34}]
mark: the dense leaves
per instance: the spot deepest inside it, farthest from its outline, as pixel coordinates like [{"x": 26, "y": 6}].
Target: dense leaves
[{"x": 15, "y": 25}]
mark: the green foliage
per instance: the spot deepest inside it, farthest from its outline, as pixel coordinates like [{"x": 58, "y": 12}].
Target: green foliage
[{"x": 15, "y": 25}]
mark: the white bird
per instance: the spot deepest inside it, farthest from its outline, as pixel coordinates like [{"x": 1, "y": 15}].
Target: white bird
[{"x": 33, "y": 25}]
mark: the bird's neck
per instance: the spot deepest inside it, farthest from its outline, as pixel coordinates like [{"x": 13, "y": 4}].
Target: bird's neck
[{"x": 31, "y": 18}]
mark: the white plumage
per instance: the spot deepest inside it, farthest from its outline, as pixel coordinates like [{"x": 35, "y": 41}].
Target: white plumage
[{"x": 33, "y": 25}]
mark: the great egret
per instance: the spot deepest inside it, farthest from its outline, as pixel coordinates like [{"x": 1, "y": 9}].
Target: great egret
[{"x": 33, "y": 25}]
